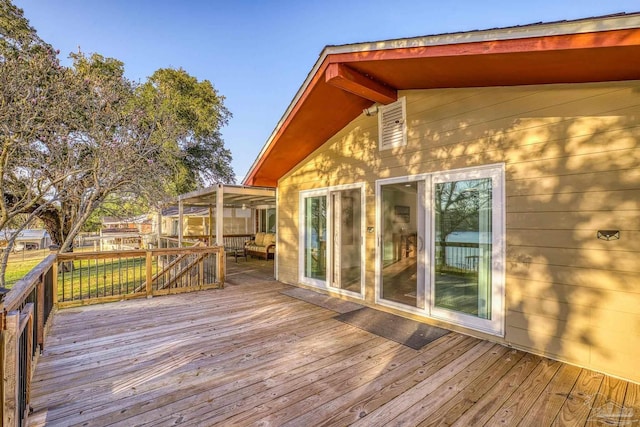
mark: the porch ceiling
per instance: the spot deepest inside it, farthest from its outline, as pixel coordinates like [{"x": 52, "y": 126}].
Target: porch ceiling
[
  {"x": 536, "y": 54},
  {"x": 233, "y": 195}
]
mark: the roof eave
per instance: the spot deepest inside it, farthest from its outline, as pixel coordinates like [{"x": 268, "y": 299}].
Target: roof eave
[{"x": 581, "y": 26}]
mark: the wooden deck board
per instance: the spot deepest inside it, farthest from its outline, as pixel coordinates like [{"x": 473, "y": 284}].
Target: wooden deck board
[
  {"x": 518, "y": 404},
  {"x": 546, "y": 408},
  {"x": 449, "y": 412},
  {"x": 575, "y": 409},
  {"x": 248, "y": 355}
]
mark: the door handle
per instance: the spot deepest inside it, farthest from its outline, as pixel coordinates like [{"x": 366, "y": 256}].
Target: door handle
[{"x": 420, "y": 244}]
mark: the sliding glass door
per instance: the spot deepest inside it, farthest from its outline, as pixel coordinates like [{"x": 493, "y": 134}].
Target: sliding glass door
[
  {"x": 402, "y": 237},
  {"x": 463, "y": 240},
  {"x": 460, "y": 276},
  {"x": 315, "y": 237},
  {"x": 346, "y": 224},
  {"x": 331, "y": 254}
]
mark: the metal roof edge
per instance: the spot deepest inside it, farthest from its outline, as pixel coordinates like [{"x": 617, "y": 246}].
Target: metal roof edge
[{"x": 620, "y": 21}]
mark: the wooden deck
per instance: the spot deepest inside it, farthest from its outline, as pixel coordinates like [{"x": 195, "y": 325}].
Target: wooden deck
[{"x": 249, "y": 355}]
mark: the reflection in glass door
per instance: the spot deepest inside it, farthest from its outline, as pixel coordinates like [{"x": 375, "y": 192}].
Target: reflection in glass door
[
  {"x": 463, "y": 246},
  {"x": 346, "y": 255},
  {"x": 402, "y": 239},
  {"x": 315, "y": 237}
]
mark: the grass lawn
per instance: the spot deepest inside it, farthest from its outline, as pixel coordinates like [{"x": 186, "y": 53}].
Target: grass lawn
[
  {"x": 118, "y": 274},
  {"x": 20, "y": 263},
  {"x": 105, "y": 277}
]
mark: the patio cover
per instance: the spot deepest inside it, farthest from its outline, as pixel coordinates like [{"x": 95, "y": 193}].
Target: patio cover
[{"x": 222, "y": 196}]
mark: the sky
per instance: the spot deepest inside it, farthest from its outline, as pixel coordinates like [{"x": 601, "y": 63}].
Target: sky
[{"x": 258, "y": 53}]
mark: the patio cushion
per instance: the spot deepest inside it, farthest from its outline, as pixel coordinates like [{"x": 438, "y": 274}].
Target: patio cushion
[
  {"x": 259, "y": 240},
  {"x": 269, "y": 239}
]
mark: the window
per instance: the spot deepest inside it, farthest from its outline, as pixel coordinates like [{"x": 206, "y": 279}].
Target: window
[{"x": 266, "y": 220}]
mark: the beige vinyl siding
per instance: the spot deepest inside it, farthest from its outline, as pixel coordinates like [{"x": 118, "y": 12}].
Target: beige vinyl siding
[{"x": 572, "y": 167}]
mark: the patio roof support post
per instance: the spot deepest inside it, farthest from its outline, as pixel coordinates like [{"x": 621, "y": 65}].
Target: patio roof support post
[
  {"x": 180, "y": 225},
  {"x": 210, "y": 225},
  {"x": 220, "y": 215},
  {"x": 159, "y": 225}
]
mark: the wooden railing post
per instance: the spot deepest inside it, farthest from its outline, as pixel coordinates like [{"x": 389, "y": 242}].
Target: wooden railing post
[
  {"x": 10, "y": 369},
  {"x": 54, "y": 289},
  {"x": 149, "y": 273}
]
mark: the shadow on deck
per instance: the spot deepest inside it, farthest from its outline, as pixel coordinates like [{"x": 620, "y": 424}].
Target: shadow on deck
[{"x": 248, "y": 354}]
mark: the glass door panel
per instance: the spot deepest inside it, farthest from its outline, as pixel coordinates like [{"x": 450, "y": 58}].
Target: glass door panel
[
  {"x": 402, "y": 269},
  {"x": 346, "y": 254},
  {"x": 315, "y": 237},
  {"x": 463, "y": 246}
]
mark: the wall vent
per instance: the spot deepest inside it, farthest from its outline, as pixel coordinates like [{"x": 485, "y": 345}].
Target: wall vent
[{"x": 392, "y": 124}]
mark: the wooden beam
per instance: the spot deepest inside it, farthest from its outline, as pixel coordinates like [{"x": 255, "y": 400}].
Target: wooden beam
[{"x": 350, "y": 80}]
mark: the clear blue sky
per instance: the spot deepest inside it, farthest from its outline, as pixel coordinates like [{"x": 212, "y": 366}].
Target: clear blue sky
[{"x": 258, "y": 53}]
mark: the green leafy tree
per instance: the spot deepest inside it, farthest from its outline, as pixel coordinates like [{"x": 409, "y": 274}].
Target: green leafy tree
[
  {"x": 188, "y": 115},
  {"x": 140, "y": 140},
  {"x": 76, "y": 137}
]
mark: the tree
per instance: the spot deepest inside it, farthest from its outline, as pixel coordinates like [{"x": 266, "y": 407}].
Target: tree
[
  {"x": 104, "y": 146},
  {"x": 33, "y": 100},
  {"x": 188, "y": 115},
  {"x": 458, "y": 205},
  {"x": 73, "y": 137},
  {"x": 140, "y": 141}
]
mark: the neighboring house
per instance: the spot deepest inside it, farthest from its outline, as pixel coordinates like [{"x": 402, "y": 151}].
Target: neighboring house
[
  {"x": 124, "y": 233},
  {"x": 117, "y": 239},
  {"x": 29, "y": 239},
  {"x": 491, "y": 187},
  {"x": 195, "y": 221},
  {"x": 142, "y": 223}
]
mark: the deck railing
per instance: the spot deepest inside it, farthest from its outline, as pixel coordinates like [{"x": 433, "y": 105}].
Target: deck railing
[
  {"x": 229, "y": 240},
  {"x": 460, "y": 257},
  {"x": 25, "y": 313},
  {"x": 63, "y": 280},
  {"x": 95, "y": 277}
]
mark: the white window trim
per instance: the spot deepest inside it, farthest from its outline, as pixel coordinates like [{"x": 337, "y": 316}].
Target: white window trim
[
  {"x": 495, "y": 326},
  {"x": 403, "y": 105},
  {"x": 324, "y": 284}
]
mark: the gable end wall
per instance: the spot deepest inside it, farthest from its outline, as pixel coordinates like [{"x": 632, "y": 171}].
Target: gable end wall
[{"x": 572, "y": 167}]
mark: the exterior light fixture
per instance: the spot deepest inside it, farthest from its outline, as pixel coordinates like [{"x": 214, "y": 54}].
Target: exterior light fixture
[
  {"x": 371, "y": 111},
  {"x": 608, "y": 234}
]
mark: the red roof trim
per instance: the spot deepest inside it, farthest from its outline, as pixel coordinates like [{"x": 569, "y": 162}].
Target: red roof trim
[{"x": 555, "y": 43}]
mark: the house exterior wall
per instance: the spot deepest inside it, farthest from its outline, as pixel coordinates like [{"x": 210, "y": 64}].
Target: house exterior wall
[{"x": 571, "y": 154}]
